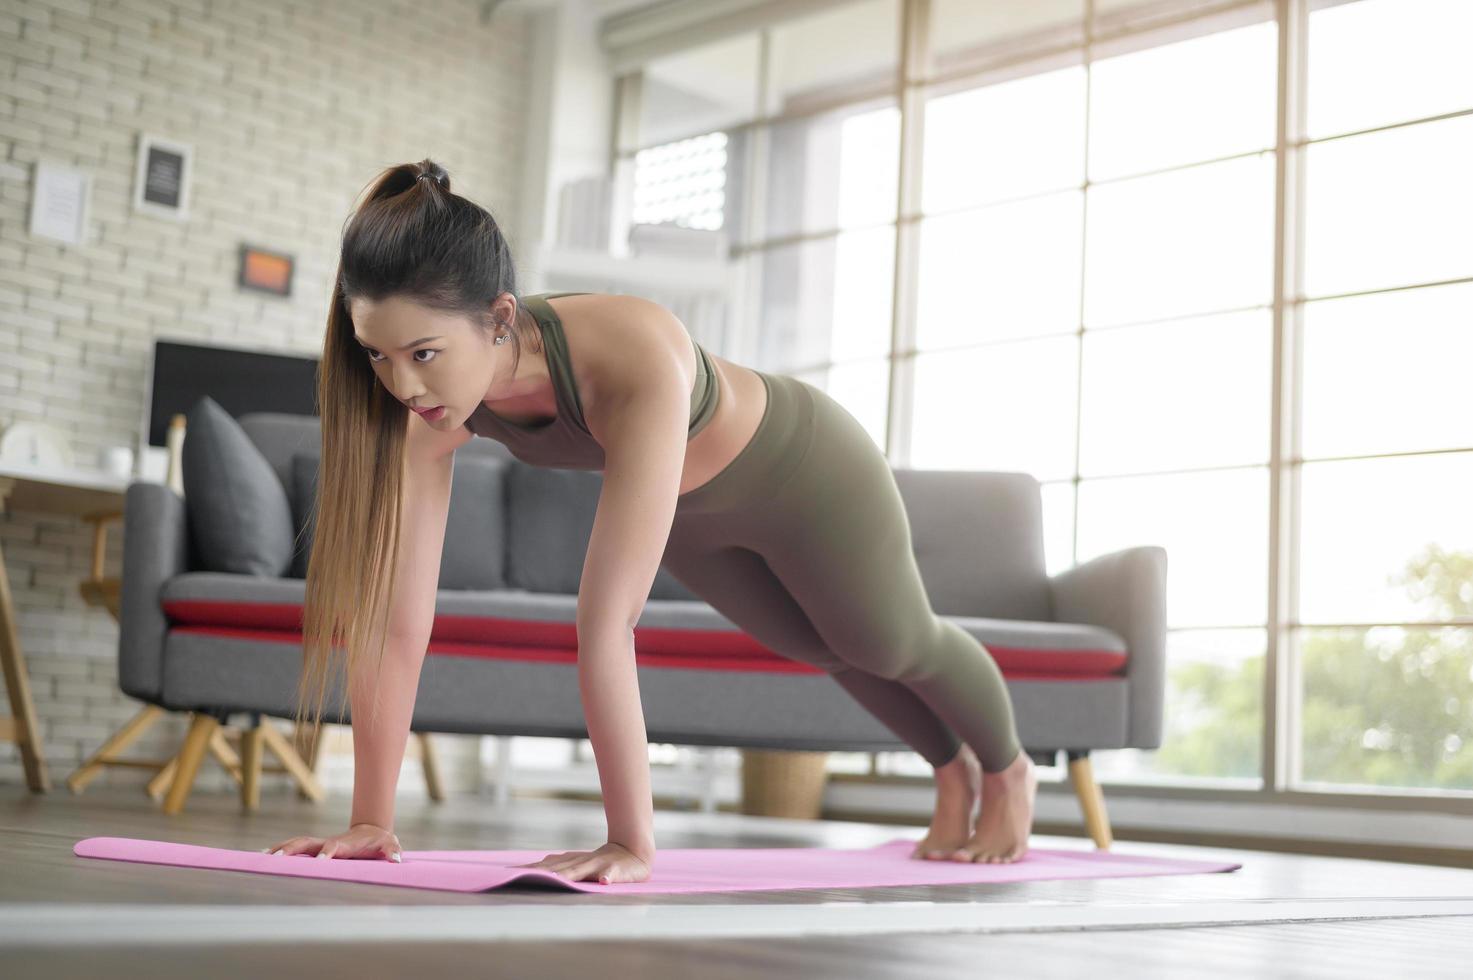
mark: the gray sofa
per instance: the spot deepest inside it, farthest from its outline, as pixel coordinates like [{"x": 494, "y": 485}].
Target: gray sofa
[{"x": 1083, "y": 651}]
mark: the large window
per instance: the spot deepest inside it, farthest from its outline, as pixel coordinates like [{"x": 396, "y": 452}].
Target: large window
[
  {"x": 1384, "y": 539},
  {"x": 682, "y": 183},
  {"x": 1096, "y": 268},
  {"x": 1242, "y": 337}
]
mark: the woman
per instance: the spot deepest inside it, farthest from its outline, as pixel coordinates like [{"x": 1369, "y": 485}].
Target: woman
[{"x": 757, "y": 491}]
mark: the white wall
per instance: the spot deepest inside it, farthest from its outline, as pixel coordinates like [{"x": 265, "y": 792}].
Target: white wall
[
  {"x": 569, "y": 117},
  {"x": 291, "y": 108}
]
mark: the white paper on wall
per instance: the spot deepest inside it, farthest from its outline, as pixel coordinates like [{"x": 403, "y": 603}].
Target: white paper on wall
[{"x": 59, "y": 203}]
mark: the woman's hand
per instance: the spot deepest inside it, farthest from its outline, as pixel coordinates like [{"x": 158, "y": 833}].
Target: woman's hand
[
  {"x": 609, "y": 864},
  {"x": 362, "y": 840}
]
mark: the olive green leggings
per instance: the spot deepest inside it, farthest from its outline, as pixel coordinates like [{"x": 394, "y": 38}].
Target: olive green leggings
[{"x": 803, "y": 542}]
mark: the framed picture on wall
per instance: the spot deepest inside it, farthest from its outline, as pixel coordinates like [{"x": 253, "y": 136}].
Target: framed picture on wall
[
  {"x": 264, "y": 270},
  {"x": 59, "y": 201},
  {"x": 161, "y": 179}
]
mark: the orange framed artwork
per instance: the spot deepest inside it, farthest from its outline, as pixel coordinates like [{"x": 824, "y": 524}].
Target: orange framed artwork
[{"x": 265, "y": 270}]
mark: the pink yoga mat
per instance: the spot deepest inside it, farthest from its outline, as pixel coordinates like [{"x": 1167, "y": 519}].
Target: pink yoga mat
[{"x": 677, "y": 870}]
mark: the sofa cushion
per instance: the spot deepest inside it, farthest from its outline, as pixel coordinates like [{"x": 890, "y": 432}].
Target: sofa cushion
[
  {"x": 304, "y": 522},
  {"x": 474, "y": 552},
  {"x": 550, "y": 519},
  {"x": 512, "y": 624},
  {"x": 238, "y": 514},
  {"x": 474, "y": 556}
]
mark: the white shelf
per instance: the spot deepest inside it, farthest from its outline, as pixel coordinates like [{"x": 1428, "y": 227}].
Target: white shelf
[{"x": 668, "y": 272}]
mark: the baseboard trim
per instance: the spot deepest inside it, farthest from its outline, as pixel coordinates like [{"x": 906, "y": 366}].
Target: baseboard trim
[{"x": 1450, "y": 857}]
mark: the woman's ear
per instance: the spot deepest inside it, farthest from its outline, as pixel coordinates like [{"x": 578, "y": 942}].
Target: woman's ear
[{"x": 504, "y": 309}]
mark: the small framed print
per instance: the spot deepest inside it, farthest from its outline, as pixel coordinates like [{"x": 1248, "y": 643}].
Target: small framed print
[
  {"x": 265, "y": 270},
  {"x": 161, "y": 180},
  {"x": 59, "y": 201}
]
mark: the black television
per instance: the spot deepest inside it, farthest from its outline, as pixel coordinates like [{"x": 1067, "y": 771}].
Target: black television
[{"x": 240, "y": 380}]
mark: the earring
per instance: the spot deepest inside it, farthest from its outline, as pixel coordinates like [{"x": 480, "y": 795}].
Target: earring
[{"x": 501, "y": 340}]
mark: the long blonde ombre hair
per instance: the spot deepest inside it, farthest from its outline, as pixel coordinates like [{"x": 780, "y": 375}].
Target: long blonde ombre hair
[{"x": 410, "y": 237}]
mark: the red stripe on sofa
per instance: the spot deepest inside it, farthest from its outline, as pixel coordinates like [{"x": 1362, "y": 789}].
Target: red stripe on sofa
[{"x": 691, "y": 649}]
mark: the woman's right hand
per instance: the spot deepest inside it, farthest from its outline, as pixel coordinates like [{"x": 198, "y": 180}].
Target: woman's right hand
[{"x": 362, "y": 840}]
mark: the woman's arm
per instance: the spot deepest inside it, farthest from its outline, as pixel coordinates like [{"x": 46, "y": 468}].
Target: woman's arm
[
  {"x": 640, "y": 418},
  {"x": 609, "y": 687},
  {"x": 379, "y": 741},
  {"x": 644, "y": 453}
]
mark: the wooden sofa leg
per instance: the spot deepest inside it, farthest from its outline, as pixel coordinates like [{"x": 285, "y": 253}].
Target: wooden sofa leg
[
  {"x": 195, "y": 744},
  {"x": 291, "y": 760},
  {"x": 219, "y": 748},
  {"x": 310, "y": 738},
  {"x": 224, "y": 754},
  {"x": 251, "y": 744},
  {"x": 431, "y": 768},
  {"x": 1091, "y": 800},
  {"x": 120, "y": 740},
  {"x": 163, "y": 779}
]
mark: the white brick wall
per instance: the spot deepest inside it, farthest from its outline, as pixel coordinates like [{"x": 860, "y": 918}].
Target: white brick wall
[{"x": 291, "y": 108}]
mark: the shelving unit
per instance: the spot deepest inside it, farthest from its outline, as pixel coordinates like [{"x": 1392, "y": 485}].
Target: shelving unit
[{"x": 702, "y": 292}]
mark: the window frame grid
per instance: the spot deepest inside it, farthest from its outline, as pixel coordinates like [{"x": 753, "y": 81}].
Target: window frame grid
[{"x": 1279, "y": 780}]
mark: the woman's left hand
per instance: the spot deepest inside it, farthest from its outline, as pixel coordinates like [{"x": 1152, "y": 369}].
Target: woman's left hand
[{"x": 608, "y": 865}]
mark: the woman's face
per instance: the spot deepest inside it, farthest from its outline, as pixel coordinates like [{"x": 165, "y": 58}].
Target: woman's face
[{"x": 429, "y": 359}]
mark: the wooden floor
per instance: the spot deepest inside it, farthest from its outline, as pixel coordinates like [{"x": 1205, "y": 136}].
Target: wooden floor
[{"x": 1279, "y": 915}]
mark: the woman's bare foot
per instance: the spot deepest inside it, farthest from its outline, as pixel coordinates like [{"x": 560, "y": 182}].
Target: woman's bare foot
[
  {"x": 958, "y": 784},
  {"x": 1001, "y": 834}
]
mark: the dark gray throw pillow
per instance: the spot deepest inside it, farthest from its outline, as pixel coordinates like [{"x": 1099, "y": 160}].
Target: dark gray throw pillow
[{"x": 240, "y": 519}]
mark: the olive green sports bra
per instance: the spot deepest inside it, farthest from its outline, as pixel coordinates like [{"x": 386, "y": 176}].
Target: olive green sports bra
[{"x": 564, "y": 442}]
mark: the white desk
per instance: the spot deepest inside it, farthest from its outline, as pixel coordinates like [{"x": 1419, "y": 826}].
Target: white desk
[{"x": 77, "y": 492}]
